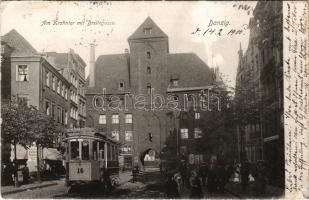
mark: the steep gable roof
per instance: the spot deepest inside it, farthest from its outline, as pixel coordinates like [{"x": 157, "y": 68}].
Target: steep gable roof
[
  {"x": 109, "y": 71},
  {"x": 20, "y": 46},
  {"x": 59, "y": 59},
  {"x": 156, "y": 32},
  {"x": 189, "y": 69}
]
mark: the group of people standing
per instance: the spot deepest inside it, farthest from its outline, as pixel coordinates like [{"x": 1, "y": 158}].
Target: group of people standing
[
  {"x": 213, "y": 176},
  {"x": 9, "y": 172}
]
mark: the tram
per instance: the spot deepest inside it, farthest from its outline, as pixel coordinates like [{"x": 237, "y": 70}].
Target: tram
[{"x": 91, "y": 157}]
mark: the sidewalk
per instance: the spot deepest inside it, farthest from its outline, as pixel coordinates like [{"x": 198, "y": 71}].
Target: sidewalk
[
  {"x": 5, "y": 190},
  {"x": 271, "y": 191}
]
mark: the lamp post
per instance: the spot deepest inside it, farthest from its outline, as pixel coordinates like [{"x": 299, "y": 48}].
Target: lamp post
[
  {"x": 175, "y": 114},
  {"x": 160, "y": 126}
]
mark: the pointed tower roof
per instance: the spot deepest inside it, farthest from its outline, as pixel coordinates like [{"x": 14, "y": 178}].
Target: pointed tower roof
[
  {"x": 21, "y": 47},
  {"x": 148, "y": 29}
]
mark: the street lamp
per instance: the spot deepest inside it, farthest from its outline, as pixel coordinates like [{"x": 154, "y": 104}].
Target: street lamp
[{"x": 175, "y": 114}]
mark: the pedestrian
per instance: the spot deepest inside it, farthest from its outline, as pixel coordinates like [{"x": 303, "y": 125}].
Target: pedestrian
[
  {"x": 244, "y": 170},
  {"x": 171, "y": 187},
  {"x": 211, "y": 178},
  {"x": 196, "y": 188},
  {"x": 229, "y": 172},
  {"x": 135, "y": 172},
  {"x": 7, "y": 174},
  {"x": 260, "y": 180},
  {"x": 220, "y": 177},
  {"x": 107, "y": 180},
  {"x": 183, "y": 172},
  {"x": 203, "y": 173},
  {"x": 25, "y": 173}
]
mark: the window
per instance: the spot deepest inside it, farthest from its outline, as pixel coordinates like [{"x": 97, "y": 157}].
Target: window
[
  {"x": 54, "y": 83},
  {"x": 95, "y": 150},
  {"x": 174, "y": 82},
  {"x": 128, "y": 118},
  {"x": 115, "y": 119},
  {"x": 47, "y": 108},
  {"x": 121, "y": 86},
  {"x": 128, "y": 135},
  {"x": 47, "y": 78},
  {"x": 126, "y": 149},
  {"x": 102, "y": 119},
  {"x": 23, "y": 99},
  {"x": 66, "y": 93},
  {"x": 148, "y": 88},
  {"x": 148, "y": 70},
  {"x": 150, "y": 137},
  {"x": 53, "y": 111},
  {"x": 101, "y": 150},
  {"x": 147, "y": 31},
  {"x": 115, "y": 135},
  {"x": 257, "y": 61},
  {"x": 197, "y": 115},
  {"x": 148, "y": 54},
  {"x": 184, "y": 133},
  {"x": 62, "y": 116},
  {"x": 85, "y": 150},
  {"x": 74, "y": 150},
  {"x": 59, "y": 114},
  {"x": 59, "y": 87},
  {"x": 197, "y": 133},
  {"x": 22, "y": 73},
  {"x": 65, "y": 117},
  {"x": 63, "y": 90}
]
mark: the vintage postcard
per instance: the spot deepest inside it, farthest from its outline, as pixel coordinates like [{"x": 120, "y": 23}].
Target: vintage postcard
[{"x": 159, "y": 100}]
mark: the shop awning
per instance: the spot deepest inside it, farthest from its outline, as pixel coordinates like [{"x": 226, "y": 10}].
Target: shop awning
[{"x": 51, "y": 154}]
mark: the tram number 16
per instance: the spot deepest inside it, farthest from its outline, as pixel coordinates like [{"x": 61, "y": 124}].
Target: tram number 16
[{"x": 80, "y": 170}]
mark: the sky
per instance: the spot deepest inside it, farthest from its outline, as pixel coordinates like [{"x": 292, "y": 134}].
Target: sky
[{"x": 114, "y": 22}]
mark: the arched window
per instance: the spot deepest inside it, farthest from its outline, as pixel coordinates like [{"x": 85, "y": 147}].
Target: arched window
[
  {"x": 148, "y": 88},
  {"x": 148, "y": 54},
  {"x": 148, "y": 69}
]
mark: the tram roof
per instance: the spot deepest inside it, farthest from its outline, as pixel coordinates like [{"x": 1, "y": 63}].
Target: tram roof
[{"x": 87, "y": 133}]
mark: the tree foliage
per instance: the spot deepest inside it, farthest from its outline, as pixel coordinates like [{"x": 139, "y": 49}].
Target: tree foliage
[
  {"x": 17, "y": 119},
  {"x": 23, "y": 124}
]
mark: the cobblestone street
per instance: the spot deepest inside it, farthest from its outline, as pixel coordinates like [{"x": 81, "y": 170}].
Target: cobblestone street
[{"x": 148, "y": 185}]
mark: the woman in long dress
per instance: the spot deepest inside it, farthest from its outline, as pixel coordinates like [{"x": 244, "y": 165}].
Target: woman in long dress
[{"x": 196, "y": 188}]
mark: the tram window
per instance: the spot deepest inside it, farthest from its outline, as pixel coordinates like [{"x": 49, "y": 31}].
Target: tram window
[
  {"x": 109, "y": 151},
  {"x": 95, "y": 150},
  {"x": 74, "y": 150},
  {"x": 101, "y": 150},
  {"x": 85, "y": 150},
  {"x": 113, "y": 152},
  {"x": 117, "y": 151}
]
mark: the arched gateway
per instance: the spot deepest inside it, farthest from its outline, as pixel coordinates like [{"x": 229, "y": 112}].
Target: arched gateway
[{"x": 150, "y": 159}]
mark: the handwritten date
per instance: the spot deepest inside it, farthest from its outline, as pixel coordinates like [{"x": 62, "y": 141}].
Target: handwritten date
[{"x": 218, "y": 31}]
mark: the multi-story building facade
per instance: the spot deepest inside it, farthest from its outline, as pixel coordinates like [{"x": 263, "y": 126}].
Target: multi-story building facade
[
  {"x": 72, "y": 67},
  {"x": 248, "y": 95},
  {"x": 141, "y": 79},
  {"x": 32, "y": 79},
  {"x": 259, "y": 74},
  {"x": 269, "y": 16}
]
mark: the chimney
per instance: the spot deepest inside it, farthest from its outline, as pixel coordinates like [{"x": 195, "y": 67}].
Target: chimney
[
  {"x": 92, "y": 66},
  {"x": 127, "y": 54}
]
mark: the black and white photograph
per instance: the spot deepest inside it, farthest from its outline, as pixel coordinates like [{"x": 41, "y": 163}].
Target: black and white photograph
[{"x": 154, "y": 99}]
